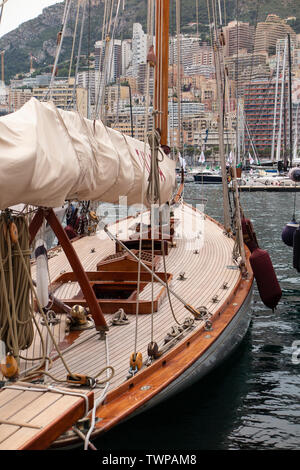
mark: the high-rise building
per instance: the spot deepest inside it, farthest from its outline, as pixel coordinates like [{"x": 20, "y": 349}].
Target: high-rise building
[
  {"x": 269, "y": 31},
  {"x": 89, "y": 80},
  {"x": 246, "y": 67},
  {"x": 189, "y": 47},
  {"x": 238, "y": 36},
  {"x": 188, "y": 109},
  {"x": 108, "y": 59},
  {"x": 204, "y": 55},
  {"x": 126, "y": 55},
  {"x": 139, "y": 47},
  {"x": 142, "y": 79},
  {"x": 259, "y": 107}
]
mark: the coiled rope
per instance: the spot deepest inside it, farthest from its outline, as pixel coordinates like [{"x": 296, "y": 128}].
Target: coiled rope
[
  {"x": 16, "y": 309},
  {"x": 16, "y": 299}
]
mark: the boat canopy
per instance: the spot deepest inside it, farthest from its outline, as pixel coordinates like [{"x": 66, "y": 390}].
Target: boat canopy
[{"x": 48, "y": 155}]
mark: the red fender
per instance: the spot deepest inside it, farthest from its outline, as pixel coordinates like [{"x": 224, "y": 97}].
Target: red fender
[{"x": 264, "y": 273}]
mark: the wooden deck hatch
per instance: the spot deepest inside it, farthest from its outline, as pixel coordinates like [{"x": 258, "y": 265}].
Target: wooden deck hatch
[
  {"x": 114, "y": 290},
  {"x": 122, "y": 261},
  {"x": 146, "y": 245}
]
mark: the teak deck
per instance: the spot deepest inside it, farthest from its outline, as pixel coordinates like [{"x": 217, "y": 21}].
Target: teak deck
[
  {"x": 201, "y": 271},
  {"x": 31, "y": 417}
]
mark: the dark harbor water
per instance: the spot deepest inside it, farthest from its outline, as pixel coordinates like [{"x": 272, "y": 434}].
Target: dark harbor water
[{"x": 252, "y": 401}]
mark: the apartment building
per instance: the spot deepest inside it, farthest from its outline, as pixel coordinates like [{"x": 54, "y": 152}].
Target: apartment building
[
  {"x": 189, "y": 47},
  {"x": 108, "y": 59},
  {"x": 188, "y": 109},
  {"x": 139, "y": 47},
  {"x": 17, "y": 98},
  {"x": 268, "y": 32},
  {"x": 238, "y": 63},
  {"x": 238, "y": 36},
  {"x": 64, "y": 96},
  {"x": 259, "y": 101}
]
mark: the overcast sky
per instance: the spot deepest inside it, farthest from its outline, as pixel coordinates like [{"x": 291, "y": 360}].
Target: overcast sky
[{"x": 17, "y": 11}]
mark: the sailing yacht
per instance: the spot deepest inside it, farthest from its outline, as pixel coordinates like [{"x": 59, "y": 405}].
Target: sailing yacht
[{"x": 104, "y": 326}]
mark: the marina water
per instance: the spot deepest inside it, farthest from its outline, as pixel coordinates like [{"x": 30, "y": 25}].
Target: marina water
[{"x": 252, "y": 401}]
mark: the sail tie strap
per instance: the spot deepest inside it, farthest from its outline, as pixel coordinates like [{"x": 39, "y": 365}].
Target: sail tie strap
[{"x": 153, "y": 190}]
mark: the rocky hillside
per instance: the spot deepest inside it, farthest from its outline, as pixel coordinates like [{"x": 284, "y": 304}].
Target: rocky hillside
[{"x": 38, "y": 36}]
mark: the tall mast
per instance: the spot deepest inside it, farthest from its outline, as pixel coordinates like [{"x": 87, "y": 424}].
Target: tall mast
[
  {"x": 281, "y": 103},
  {"x": 290, "y": 99},
  {"x": 178, "y": 85},
  {"x": 162, "y": 68},
  {"x": 275, "y": 105}
]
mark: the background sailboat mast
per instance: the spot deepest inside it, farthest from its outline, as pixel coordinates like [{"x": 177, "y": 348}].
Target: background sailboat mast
[
  {"x": 216, "y": 48},
  {"x": 290, "y": 100},
  {"x": 162, "y": 68},
  {"x": 278, "y": 150},
  {"x": 275, "y": 105}
]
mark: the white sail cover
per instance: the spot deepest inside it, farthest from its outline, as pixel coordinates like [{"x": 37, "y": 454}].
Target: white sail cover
[{"x": 48, "y": 155}]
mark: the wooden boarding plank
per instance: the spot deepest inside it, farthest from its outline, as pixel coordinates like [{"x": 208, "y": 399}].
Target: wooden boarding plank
[
  {"x": 41, "y": 402},
  {"x": 54, "y": 412}
]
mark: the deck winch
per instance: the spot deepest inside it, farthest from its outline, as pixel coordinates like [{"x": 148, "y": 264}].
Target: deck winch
[{"x": 79, "y": 318}]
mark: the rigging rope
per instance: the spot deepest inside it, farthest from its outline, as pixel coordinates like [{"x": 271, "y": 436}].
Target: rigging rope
[
  {"x": 59, "y": 45},
  {"x": 2, "y": 8},
  {"x": 74, "y": 39},
  {"x": 78, "y": 53}
]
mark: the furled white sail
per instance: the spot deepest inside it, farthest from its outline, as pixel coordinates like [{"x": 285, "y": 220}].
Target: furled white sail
[{"x": 48, "y": 155}]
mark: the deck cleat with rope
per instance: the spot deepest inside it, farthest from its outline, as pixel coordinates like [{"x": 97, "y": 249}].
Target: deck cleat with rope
[
  {"x": 120, "y": 318},
  {"x": 153, "y": 350},
  {"x": 51, "y": 318},
  {"x": 198, "y": 313},
  {"x": 181, "y": 276},
  {"x": 175, "y": 333}
]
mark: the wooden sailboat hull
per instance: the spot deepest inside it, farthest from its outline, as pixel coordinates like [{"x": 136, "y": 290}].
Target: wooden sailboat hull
[
  {"x": 219, "y": 352},
  {"x": 204, "y": 275},
  {"x": 189, "y": 361}
]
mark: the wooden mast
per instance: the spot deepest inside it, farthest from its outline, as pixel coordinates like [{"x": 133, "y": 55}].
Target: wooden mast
[
  {"x": 162, "y": 68},
  {"x": 81, "y": 276}
]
